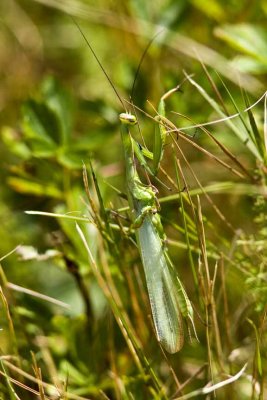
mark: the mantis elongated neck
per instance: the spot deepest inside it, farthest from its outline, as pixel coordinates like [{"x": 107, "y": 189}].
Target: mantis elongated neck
[
  {"x": 126, "y": 121},
  {"x": 128, "y": 153}
]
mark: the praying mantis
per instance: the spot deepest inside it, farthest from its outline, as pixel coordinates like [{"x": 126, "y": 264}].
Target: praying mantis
[
  {"x": 169, "y": 302},
  {"x": 168, "y": 299}
]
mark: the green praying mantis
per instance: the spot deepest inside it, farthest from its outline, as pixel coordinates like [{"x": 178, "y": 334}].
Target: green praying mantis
[
  {"x": 169, "y": 302},
  {"x": 168, "y": 299}
]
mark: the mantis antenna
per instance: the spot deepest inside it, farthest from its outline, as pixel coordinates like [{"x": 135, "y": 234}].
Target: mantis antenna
[
  {"x": 99, "y": 63},
  {"x": 105, "y": 73},
  {"x": 141, "y": 61}
]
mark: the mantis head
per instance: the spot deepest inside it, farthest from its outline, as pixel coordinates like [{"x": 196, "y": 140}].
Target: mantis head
[{"x": 128, "y": 119}]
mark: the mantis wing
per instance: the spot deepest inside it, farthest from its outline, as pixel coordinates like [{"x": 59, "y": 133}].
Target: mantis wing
[{"x": 163, "y": 296}]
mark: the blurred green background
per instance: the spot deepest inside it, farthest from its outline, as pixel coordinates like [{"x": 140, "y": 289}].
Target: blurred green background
[{"x": 57, "y": 108}]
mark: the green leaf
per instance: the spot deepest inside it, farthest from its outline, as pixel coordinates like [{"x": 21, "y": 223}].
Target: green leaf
[
  {"x": 47, "y": 122},
  {"x": 12, "y": 140},
  {"x": 58, "y": 100},
  {"x": 249, "y": 65},
  {"x": 213, "y": 9},
  {"x": 249, "y": 39},
  {"x": 37, "y": 189},
  {"x": 72, "y": 159},
  {"x": 39, "y": 124}
]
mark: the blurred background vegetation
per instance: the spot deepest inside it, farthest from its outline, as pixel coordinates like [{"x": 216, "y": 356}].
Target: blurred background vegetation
[{"x": 56, "y": 110}]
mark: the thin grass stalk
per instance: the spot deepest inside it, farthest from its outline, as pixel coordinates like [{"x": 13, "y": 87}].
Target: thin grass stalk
[
  {"x": 217, "y": 335},
  {"x": 216, "y": 209},
  {"x": 205, "y": 284},
  {"x": 190, "y": 256},
  {"x": 38, "y": 374}
]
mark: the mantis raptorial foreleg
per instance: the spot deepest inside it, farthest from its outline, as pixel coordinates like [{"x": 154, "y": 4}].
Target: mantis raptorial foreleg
[
  {"x": 161, "y": 132},
  {"x": 143, "y": 213}
]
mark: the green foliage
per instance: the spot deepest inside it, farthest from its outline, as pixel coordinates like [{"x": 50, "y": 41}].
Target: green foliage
[
  {"x": 250, "y": 40},
  {"x": 47, "y": 126},
  {"x": 75, "y": 316}
]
